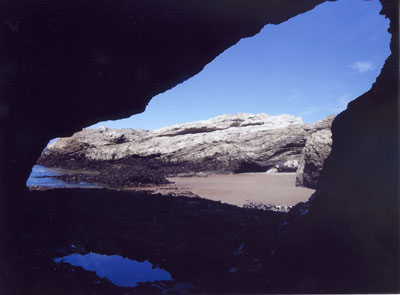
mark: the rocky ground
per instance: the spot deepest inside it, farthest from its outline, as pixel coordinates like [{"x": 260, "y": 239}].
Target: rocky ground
[
  {"x": 210, "y": 246},
  {"x": 206, "y": 246},
  {"x": 128, "y": 172}
]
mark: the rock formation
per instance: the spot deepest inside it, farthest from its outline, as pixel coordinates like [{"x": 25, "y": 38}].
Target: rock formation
[
  {"x": 69, "y": 64},
  {"x": 90, "y": 61},
  {"x": 227, "y": 143},
  {"x": 287, "y": 166},
  {"x": 317, "y": 149}
]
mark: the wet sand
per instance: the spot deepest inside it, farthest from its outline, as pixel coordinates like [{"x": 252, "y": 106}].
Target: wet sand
[{"x": 236, "y": 189}]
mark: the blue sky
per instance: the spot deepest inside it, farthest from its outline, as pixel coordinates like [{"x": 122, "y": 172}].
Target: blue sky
[{"x": 310, "y": 66}]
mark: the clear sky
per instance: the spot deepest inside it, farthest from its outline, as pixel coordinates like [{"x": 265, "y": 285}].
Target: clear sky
[{"x": 310, "y": 66}]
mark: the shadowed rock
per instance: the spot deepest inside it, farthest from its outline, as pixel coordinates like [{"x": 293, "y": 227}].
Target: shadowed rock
[{"x": 317, "y": 149}]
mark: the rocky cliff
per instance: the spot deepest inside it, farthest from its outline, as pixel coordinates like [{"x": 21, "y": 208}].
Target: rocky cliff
[{"x": 224, "y": 144}]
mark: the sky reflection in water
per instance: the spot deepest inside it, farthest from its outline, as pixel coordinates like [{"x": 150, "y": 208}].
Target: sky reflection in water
[
  {"x": 122, "y": 272},
  {"x": 44, "y": 176}
]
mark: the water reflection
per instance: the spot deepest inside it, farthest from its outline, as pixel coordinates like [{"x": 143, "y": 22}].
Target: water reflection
[{"x": 122, "y": 272}]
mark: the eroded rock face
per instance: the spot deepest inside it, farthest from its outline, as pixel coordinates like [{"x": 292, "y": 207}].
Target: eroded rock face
[
  {"x": 227, "y": 143},
  {"x": 317, "y": 149}
]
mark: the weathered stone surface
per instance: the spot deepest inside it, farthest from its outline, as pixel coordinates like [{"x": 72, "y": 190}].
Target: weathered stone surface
[
  {"x": 227, "y": 143},
  {"x": 270, "y": 207},
  {"x": 287, "y": 166},
  {"x": 272, "y": 170},
  {"x": 317, "y": 149}
]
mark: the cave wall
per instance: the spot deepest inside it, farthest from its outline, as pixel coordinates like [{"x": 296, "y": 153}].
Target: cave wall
[
  {"x": 357, "y": 207},
  {"x": 68, "y": 64}
]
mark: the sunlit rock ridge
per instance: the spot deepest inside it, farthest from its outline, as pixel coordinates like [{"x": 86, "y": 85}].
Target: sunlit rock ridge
[{"x": 227, "y": 143}]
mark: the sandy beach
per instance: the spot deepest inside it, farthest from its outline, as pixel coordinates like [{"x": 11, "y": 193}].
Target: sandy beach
[{"x": 236, "y": 189}]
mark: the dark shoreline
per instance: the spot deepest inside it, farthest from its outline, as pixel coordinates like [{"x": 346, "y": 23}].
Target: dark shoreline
[
  {"x": 114, "y": 174},
  {"x": 139, "y": 171}
]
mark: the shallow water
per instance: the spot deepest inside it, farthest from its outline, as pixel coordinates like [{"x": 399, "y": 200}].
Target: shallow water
[
  {"x": 43, "y": 176},
  {"x": 122, "y": 272}
]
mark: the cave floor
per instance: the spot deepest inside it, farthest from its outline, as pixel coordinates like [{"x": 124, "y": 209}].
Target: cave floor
[{"x": 207, "y": 245}]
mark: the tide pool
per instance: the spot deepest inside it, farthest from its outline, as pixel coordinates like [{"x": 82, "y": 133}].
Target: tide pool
[
  {"x": 121, "y": 271},
  {"x": 43, "y": 176}
]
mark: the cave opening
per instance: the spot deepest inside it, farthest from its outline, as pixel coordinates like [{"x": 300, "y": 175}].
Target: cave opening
[
  {"x": 359, "y": 68},
  {"x": 293, "y": 68}
]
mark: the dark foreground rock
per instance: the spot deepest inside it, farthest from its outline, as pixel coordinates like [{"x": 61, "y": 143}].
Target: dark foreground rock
[
  {"x": 210, "y": 246},
  {"x": 118, "y": 173},
  {"x": 206, "y": 246}
]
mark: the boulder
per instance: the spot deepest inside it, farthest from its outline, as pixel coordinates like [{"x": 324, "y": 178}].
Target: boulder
[
  {"x": 272, "y": 170},
  {"x": 287, "y": 166},
  {"x": 317, "y": 148}
]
